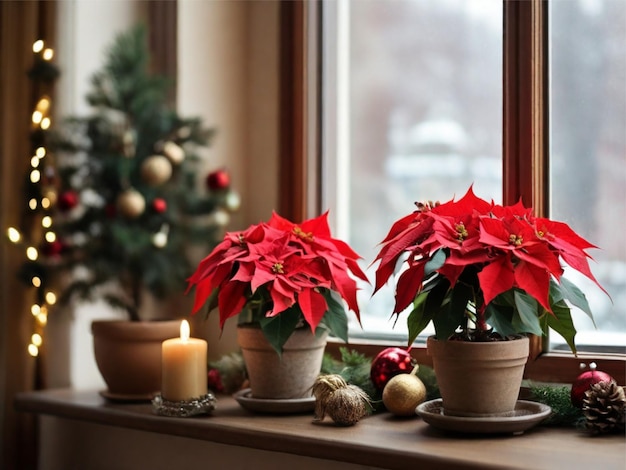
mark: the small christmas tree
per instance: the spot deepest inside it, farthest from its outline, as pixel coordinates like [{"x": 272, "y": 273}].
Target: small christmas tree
[{"x": 127, "y": 206}]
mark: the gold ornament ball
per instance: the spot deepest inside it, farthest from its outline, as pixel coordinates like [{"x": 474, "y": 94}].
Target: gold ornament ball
[
  {"x": 403, "y": 393},
  {"x": 131, "y": 204},
  {"x": 174, "y": 152},
  {"x": 156, "y": 170}
]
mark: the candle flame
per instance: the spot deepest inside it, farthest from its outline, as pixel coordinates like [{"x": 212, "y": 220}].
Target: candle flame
[{"x": 184, "y": 330}]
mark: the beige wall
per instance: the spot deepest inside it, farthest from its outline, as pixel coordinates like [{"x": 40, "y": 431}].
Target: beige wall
[{"x": 227, "y": 75}]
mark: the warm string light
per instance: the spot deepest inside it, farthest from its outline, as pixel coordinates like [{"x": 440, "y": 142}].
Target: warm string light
[
  {"x": 38, "y": 46},
  {"x": 41, "y": 119}
]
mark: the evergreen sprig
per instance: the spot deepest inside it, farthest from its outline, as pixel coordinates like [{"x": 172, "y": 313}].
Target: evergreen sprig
[{"x": 564, "y": 413}]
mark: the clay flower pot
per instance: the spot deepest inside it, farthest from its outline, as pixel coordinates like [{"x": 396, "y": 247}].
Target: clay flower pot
[
  {"x": 288, "y": 376},
  {"x": 128, "y": 354},
  {"x": 476, "y": 378}
]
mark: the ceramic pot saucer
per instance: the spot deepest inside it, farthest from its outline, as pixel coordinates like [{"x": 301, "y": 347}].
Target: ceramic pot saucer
[
  {"x": 274, "y": 406},
  {"x": 526, "y": 415},
  {"x": 127, "y": 398}
]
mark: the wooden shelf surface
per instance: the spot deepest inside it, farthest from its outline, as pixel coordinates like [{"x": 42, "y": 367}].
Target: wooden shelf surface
[{"x": 380, "y": 440}]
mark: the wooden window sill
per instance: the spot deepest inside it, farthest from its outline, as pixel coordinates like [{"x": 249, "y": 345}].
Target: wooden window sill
[{"x": 376, "y": 441}]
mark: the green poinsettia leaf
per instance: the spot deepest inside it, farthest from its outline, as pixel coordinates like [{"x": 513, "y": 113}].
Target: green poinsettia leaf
[
  {"x": 452, "y": 315},
  {"x": 419, "y": 317},
  {"x": 278, "y": 329},
  {"x": 572, "y": 293},
  {"x": 335, "y": 318},
  {"x": 500, "y": 317},
  {"x": 557, "y": 293},
  {"x": 561, "y": 321},
  {"x": 462, "y": 294},
  {"x": 506, "y": 298},
  {"x": 438, "y": 302},
  {"x": 443, "y": 323},
  {"x": 525, "y": 315}
]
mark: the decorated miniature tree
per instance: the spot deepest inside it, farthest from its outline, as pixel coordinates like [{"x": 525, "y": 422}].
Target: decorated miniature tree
[{"x": 126, "y": 193}]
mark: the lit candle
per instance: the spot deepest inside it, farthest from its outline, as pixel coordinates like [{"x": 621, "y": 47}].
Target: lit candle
[{"x": 184, "y": 366}]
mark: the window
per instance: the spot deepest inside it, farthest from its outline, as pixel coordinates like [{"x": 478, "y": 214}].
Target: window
[
  {"x": 587, "y": 152},
  {"x": 521, "y": 84},
  {"x": 417, "y": 116}
]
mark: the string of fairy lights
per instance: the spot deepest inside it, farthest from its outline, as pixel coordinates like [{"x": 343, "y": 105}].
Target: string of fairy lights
[{"x": 40, "y": 204}]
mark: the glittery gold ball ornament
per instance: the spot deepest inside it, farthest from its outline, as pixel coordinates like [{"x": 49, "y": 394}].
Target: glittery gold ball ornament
[
  {"x": 403, "y": 393},
  {"x": 131, "y": 204},
  {"x": 156, "y": 170}
]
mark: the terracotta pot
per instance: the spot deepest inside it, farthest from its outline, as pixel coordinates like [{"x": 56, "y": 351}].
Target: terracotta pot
[
  {"x": 281, "y": 377},
  {"x": 128, "y": 354},
  {"x": 479, "y": 379}
]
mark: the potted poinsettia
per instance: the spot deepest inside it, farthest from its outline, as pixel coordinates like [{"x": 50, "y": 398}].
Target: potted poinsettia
[
  {"x": 287, "y": 283},
  {"x": 484, "y": 274}
]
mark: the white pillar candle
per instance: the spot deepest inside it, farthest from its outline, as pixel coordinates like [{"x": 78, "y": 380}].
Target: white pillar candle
[{"x": 184, "y": 366}]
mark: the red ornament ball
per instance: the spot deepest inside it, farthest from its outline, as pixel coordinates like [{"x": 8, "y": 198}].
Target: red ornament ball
[
  {"x": 584, "y": 382},
  {"x": 67, "y": 200},
  {"x": 214, "y": 381},
  {"x": 52, "y": 248},
  {"x": 159, "y": 205},
  {"x": 110, "y": 210},
  {"x": 388, "y": 363},
  {"x": 218, "y": 180}
]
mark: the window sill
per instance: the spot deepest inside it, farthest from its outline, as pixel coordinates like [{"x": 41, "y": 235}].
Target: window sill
[
  {"x": 554, "y": 367},
  {"x": 376, "y": 441}
]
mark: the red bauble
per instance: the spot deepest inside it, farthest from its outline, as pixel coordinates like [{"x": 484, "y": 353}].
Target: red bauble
[
  {"x": 67, "y": 200},
  {"x": 218, "y": 180},
  {"x": 159, "y": 205},
  {"x": 214, "y": 379},
  {"x": 584, "y": 381},
  {"x": 390, "y": 362},
  {"x": 52, "y": 248},
  {"x": 110, "y": 210}
]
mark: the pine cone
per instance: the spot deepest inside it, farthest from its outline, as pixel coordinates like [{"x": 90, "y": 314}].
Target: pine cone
[{"x": 604, "y": 407}]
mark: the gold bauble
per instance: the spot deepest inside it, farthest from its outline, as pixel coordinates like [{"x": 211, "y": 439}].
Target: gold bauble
[
  {"x": 174, "y": 152},
  {"x": 403, "y": 393},
  {"x": 156, "y": 170},
  {"x": 131, "y": 204}
]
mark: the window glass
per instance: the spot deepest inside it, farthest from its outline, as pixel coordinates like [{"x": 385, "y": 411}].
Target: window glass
[
  {"x": 588, "y": 153},
  {"x": 412, "y": 112}
]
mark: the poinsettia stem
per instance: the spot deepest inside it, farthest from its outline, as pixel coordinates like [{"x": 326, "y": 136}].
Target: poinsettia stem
[{"x": 481, "y": 324}]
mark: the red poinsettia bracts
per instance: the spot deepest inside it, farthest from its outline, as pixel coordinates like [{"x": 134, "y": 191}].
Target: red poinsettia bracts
[
  {"x": 504, "y": 248},
  {"x": 290, "y": 264}
]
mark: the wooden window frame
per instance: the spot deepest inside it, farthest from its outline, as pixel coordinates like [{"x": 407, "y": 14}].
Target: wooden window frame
[{"x": 525, "y": 146}]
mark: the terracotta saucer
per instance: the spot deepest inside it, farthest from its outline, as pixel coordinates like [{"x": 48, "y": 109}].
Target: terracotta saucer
[
  {"x": 525, "y": 415},
  {"x": 127, "y": 398},
  {"x": 274, "y": 406}
]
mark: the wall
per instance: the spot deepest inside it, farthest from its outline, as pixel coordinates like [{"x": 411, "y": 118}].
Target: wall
[{"x": 227, "y": 75}]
